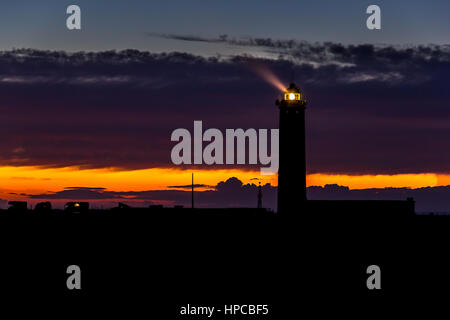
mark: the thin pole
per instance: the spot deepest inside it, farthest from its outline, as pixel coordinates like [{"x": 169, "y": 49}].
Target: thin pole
[{"x": 192, "y": 200}]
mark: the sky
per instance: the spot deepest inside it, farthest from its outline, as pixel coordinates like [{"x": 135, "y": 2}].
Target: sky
[
  {"x": 118, "y": 24},
  {"x": 78, "y": 121}
]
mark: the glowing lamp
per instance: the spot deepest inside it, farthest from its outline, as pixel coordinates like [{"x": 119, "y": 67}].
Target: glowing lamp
[
  {"x": 292, "y": 93},
  {"x": 292, "y": 98}
]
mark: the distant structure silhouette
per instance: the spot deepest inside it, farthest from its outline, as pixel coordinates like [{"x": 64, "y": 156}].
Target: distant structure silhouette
[
  {"x": 292, "y": 157},
  {"x": 122, "y": 206},
  {"x": 76, "y": 207},
  {"x": 192, "y": 191},
  {"x": 43, "y": 206},
  {"x": 18, "y": 205}
]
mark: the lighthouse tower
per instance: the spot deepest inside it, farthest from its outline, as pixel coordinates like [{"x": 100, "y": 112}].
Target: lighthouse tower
[{"x": 292, "y": 158}]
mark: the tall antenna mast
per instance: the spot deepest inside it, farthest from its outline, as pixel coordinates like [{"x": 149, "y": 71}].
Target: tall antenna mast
[
  {"x": 192, "y": 195},
  {"x": 259, "y": 196}
]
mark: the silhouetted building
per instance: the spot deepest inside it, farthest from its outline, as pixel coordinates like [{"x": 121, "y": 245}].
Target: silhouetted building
[
  {"x": 76, "y": 207},
  {"x": 292, "y": 159},
  {"x": 123, "y": 206},
  {"x": 43, "y": 206},
  {"x": 18, "y": 205}
]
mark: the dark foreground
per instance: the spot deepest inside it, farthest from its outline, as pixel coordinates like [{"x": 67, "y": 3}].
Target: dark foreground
[{"x": 152, "y": 264}]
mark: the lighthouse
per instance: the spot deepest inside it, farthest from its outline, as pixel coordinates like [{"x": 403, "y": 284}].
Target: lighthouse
[{"x": 292, "y": 155}]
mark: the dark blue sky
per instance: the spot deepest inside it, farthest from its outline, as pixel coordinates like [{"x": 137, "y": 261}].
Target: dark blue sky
[{"x": 118, "y": 24}]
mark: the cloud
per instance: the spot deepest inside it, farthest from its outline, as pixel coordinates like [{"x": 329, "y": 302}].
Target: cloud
[
  {"x": 188, "y": 186},
  {"x": 372, "y": 109},
  {"x": 328, "y": 51},
  {"x": 86, "y": 188},
  {"x": 192, "y": 38},
  {"x": 233, "y": 193},
  {"x": 78, "y": 193}
]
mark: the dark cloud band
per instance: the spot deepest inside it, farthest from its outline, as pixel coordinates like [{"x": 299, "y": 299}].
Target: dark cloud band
[{"x": 372, "y": 109}]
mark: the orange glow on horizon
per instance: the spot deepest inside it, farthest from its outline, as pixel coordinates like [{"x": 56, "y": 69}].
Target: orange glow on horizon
[
  {"x": 35, "y": 180},
  {"x": 416, "y": 180},
  {"x": 443, "y": 179}
]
